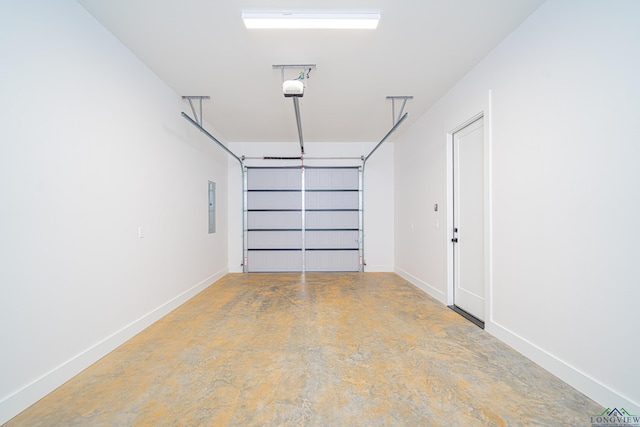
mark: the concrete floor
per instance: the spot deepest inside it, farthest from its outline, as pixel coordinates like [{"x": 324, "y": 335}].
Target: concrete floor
[{"x": 321, "y": 350}]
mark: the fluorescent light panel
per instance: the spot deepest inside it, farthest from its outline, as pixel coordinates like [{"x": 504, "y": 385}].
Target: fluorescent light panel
[{"x": 361, "y": 21}]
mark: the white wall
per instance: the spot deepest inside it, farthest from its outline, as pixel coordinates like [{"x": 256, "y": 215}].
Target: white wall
[
  {"x": 378, "y": 191},
  {"x": 92, "y": 146},
  {"x": 562, "y": 99}
]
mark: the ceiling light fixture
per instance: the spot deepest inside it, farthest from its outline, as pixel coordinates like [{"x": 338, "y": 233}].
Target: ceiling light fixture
[{"x": 288, "y": 20}]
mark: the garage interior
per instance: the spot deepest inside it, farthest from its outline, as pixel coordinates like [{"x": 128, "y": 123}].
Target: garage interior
[{"x": 205, "y": 223}]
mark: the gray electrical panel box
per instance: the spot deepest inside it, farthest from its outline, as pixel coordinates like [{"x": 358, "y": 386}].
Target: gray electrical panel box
[{"x": 212, "y": 207}]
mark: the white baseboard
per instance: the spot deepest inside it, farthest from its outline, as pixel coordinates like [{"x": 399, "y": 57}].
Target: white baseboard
[
  {"x": 581, "y": 381},
  {"x": 424, "y": 286},
  {"x": 21, "y": 399}
]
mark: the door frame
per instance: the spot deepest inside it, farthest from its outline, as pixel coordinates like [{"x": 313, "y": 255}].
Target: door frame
[{"x": 488, "y": 315}]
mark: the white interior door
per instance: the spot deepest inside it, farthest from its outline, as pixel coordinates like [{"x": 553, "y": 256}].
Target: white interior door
[{"x": 468, "y": 219}]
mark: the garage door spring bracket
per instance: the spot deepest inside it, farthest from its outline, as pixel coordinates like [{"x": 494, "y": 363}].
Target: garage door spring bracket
[
  {"x": 198, "y": 119},
  {"x": 393, "y": 99}
]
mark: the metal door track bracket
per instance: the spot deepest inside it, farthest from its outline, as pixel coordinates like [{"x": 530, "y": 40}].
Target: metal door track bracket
[
  {"x": 395, "y": 118},
  {"x": 304, "y": 68},
  {"x": 197, "y": 118}
]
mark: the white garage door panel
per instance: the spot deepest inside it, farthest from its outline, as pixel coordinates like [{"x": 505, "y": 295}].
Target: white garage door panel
[
  {"x": 332, "y": 239},
  {"x": 274, "y": 261},
  {"x": 274, "y": 240},
  {"x": 277, "y": 237},
  {"x": 341, "y": 220},
  {"x": 332, "y": 200},
  {"x": 274, "y": 179},
  {"x": 274, "y": 220},
  {"x": 331, "y": 260},
  {"x": 332, "y": 178},
  {"x": 274, "y": 200}
]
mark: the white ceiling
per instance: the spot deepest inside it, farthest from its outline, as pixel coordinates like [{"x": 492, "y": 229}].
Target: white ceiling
[{"x": 201, "y": 47}]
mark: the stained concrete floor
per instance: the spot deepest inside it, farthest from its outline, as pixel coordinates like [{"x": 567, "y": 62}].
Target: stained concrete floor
[{"x": 320, "y": 350}]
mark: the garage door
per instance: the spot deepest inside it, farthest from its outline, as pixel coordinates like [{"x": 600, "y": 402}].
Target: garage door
[{"x": 303, "y": 219}]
